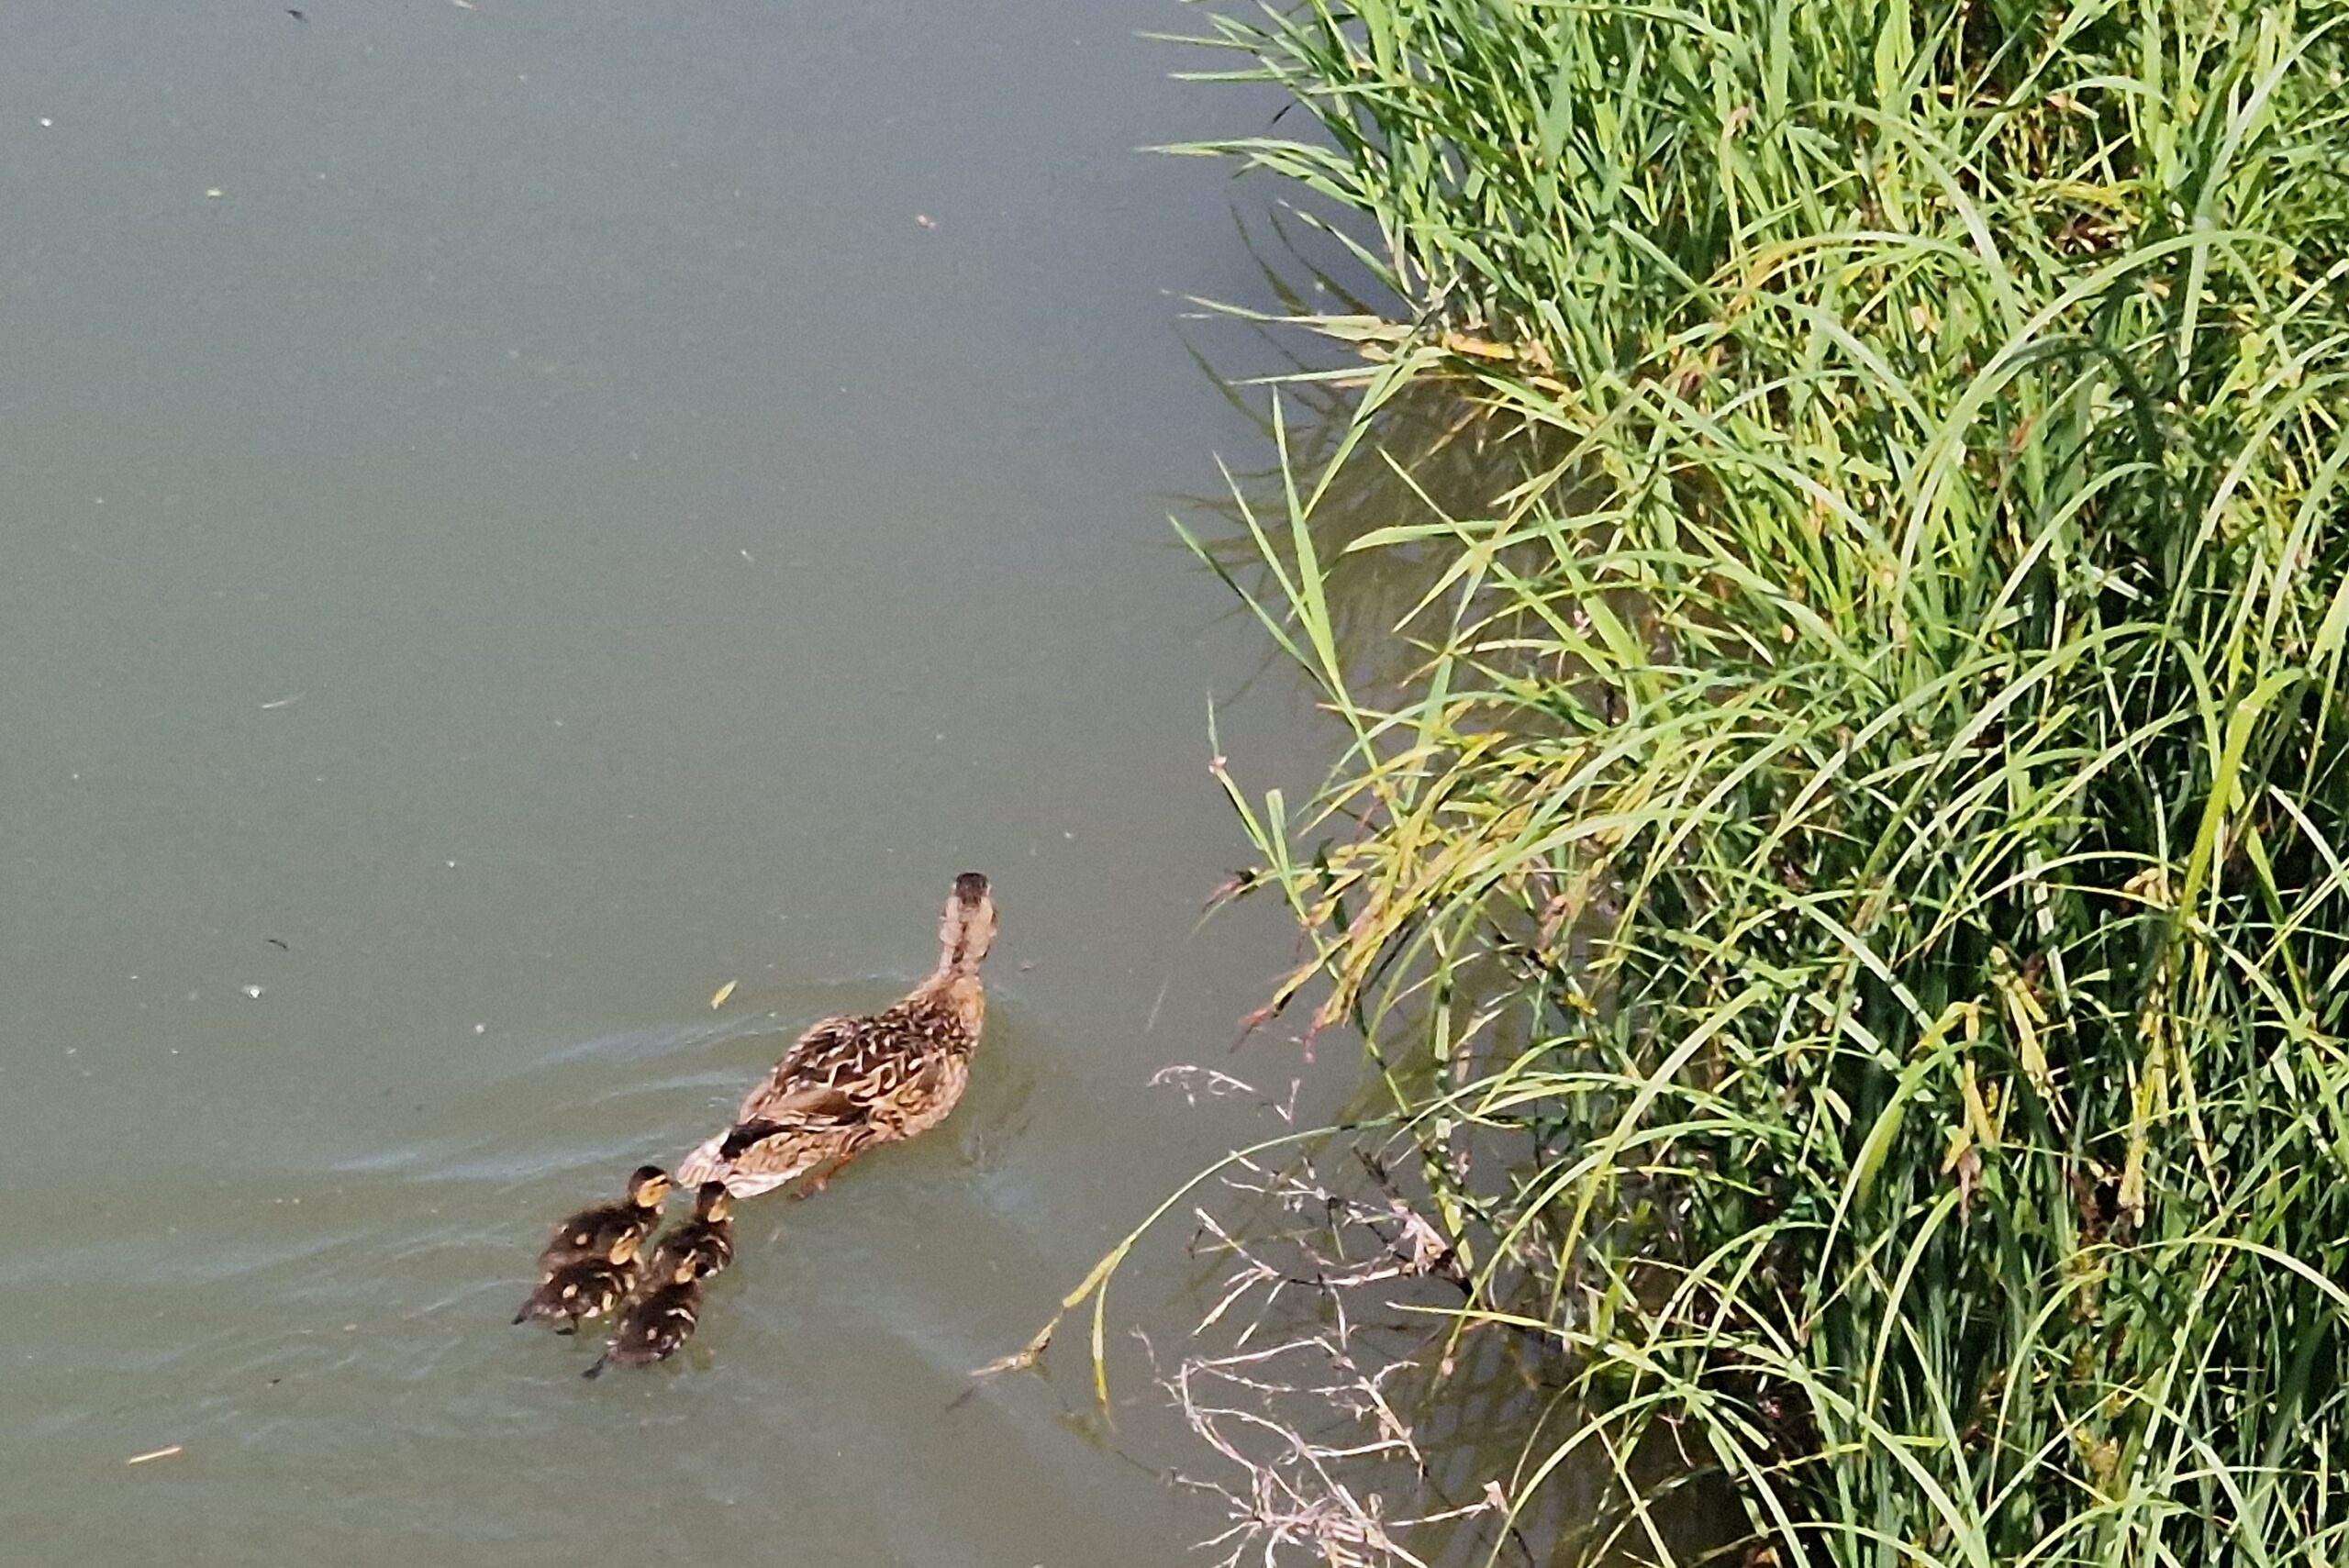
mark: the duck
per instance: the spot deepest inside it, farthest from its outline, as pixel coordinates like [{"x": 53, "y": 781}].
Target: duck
[
  {"x": 592, "y": 1233},
  {"x": 859, "y": 1079},
  {"x": 576, "y": 1289},
  {"x": 707, "y": 1239},
  {"x": 654, "y": 1324}
]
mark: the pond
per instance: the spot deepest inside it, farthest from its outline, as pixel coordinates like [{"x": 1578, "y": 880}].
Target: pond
[{"x": 521, "y": 515}]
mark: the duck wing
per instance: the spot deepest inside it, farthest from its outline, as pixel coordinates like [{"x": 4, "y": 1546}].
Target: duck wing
[
  {"x": 824, "y": 1053},
  {"x": 816, "y": 1112}
]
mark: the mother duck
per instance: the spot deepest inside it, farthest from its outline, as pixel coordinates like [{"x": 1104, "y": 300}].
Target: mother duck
[{"x": 863, "y": 1079}]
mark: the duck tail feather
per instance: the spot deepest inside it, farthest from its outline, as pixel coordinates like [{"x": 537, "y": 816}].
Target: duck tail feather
[{"x": 746, "y": 1134}]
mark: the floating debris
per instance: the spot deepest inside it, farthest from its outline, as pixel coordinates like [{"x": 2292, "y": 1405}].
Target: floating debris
[{"x": 723, "y": 991}]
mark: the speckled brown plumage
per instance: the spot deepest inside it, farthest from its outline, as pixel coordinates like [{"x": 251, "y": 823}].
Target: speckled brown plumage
[
  {"x": 653, "y": 1326},
  {"x": 857, "y": 1081},
  {"x": 707, "y": 1241},
  {"x": 579, "y": 1288}
]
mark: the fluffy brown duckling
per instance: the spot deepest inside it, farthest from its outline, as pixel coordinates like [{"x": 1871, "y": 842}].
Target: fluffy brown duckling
[
  {"x": 707, "y": 1239},
  {"x": 593, "y": 1232},
  {"x": 651, "y": 1327},
  {"x": 580, "y": 1288}
]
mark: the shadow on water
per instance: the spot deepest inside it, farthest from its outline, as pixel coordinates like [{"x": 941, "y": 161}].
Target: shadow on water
[
  {"x": 1434, "y": 458},
  {"x": 1346, "y": 1409}
]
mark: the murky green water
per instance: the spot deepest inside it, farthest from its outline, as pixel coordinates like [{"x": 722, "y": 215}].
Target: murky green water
[{"x": 543, "y": 509}]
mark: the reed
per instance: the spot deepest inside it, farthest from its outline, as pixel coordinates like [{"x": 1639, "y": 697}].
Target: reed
[{"x": 1841, "y": 862}]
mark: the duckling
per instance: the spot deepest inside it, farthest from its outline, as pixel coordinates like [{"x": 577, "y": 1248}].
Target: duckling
[
  {"x": 708, "y": 1239},
  {"x": 591, "y": 1232},
  {"x": 856, "y": 1081},
  {"x": 651, "y": 1327},
  {"x": 580, "y": 1288}
]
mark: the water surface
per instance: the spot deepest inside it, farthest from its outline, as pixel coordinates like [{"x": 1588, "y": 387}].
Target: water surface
[{"x": 516, "y": 515}]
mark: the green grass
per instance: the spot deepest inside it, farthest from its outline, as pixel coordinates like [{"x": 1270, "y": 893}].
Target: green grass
[{"x": 1841, "y": 858}]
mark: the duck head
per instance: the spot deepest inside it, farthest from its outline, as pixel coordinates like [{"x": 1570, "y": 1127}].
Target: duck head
[{"x": 966, "y": 929}]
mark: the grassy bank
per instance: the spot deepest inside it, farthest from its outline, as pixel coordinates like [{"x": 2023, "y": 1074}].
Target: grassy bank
[{"x": 1848, "y": 889}]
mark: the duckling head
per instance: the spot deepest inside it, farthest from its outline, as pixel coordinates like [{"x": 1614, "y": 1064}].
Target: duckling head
[
  {"x": 713, "y": 1201},
  {"x": 624, "y": 1247},
  {"x": 649, "y": 1188}
]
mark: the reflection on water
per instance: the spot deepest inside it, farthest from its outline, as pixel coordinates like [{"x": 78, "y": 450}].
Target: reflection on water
[
  {"x": 1430, "y": 458},
  {"x": 1350, "y": 1408},
  {"x": 1349, "y": 1411}
]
